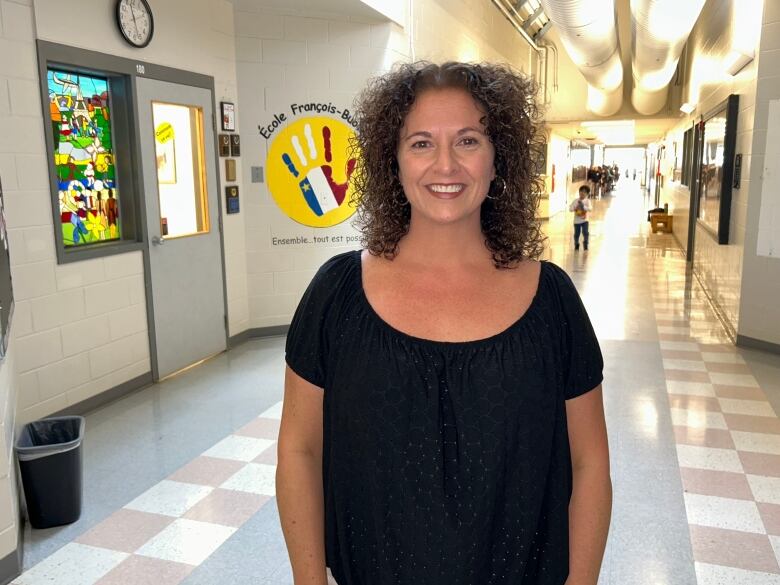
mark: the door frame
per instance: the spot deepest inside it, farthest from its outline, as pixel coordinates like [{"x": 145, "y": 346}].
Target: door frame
[{"x": 180, "y": 77}]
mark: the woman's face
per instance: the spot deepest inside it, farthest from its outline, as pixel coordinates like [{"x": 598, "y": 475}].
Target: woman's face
[{"x": 445, "y": 159}]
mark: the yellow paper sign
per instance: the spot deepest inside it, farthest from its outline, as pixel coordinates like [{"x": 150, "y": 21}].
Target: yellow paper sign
[{"x": 164, "y": 132}]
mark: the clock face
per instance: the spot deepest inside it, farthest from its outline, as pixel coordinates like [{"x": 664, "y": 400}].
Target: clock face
[{"x": 134, "y": 18}]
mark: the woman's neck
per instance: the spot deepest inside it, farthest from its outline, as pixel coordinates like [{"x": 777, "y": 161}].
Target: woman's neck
[{"x": 444, "y": 246}]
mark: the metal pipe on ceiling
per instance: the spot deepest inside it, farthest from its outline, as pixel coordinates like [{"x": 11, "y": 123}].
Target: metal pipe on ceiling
[
  {"x": 506, "y": 12},
  {"x": 588, "y": 31},
  {"x": 659, "y": 31}
]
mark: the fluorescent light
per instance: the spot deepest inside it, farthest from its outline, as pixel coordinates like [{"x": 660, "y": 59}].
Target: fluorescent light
[
  {"x": 607, "y": 123},
  {"x": 611, "y": 131},
  {"x": 736, "y": 60},
  {"x": 687, "y": 107}
]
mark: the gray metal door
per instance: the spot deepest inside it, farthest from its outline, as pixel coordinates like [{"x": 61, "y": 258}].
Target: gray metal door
[{"x": 182, "y": 214}]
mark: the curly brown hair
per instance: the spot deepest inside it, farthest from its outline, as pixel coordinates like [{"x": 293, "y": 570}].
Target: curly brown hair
[{"x": 512, "y": 123}]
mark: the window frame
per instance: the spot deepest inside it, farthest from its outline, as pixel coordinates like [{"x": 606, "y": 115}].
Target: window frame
[
  {"x": 730, "y": 109},
  {"x": 119, "y": 76}
]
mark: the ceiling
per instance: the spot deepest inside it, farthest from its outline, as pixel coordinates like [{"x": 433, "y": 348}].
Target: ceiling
[
  {"x": 350, "y": 8},
  {"x": 646, "y": 130}
]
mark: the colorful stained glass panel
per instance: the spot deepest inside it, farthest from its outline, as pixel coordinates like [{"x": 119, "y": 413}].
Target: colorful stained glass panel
[{"x": 84, "y": 157}]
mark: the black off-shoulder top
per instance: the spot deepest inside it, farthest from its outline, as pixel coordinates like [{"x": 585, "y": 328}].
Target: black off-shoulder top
[{"x": 444, "y": 463}]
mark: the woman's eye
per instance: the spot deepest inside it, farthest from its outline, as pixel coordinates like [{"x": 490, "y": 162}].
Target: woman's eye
[
  {"x": 469, "y": 141},
  {"x": 420, "y": 144}
]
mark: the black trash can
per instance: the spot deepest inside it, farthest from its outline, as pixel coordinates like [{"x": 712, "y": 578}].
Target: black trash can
[{"x": 49, "y": 454}]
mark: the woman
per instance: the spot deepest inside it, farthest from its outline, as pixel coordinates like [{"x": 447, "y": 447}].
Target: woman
[{"x": 442, "y": 418}]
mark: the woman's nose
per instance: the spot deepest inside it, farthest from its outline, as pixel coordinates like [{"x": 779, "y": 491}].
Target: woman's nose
[{"x": 446, "y": 162}]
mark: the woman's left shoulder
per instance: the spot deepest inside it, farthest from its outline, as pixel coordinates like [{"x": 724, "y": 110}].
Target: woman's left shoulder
[
  {"x": 550, "y": 269},
  {"x": 556, "y": 281}
]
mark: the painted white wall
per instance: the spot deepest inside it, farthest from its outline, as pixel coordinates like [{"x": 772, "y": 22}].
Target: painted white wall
[
  {"x": 283, "y": 58},
  {"x": 759, "y": 306}
]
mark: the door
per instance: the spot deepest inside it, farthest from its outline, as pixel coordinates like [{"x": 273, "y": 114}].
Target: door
[
  {"x": 182, "y": 216},
  {"x": 694, "y": 186}
]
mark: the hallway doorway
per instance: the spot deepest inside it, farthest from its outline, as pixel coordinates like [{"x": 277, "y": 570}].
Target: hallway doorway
[
  {"x": 629, "y": 159},
  {"x": 184, "y": 271}
]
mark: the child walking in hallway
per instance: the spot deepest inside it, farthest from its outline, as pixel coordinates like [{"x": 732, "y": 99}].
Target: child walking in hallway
[{"x": 581, "y": 207}]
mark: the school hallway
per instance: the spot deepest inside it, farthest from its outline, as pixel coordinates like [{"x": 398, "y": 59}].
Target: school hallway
[{"x": 179, "y": 477}]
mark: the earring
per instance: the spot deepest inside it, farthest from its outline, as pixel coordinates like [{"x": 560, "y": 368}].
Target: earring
[
  {"x": 400, "y": 198},
  {"x": 503, "y": 188}
]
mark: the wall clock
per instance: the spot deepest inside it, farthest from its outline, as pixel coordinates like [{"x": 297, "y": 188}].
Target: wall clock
[{"x": 135, "y": 21}]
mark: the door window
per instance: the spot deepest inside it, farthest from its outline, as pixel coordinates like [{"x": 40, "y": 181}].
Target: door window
[{"x": 181, "y": 170}]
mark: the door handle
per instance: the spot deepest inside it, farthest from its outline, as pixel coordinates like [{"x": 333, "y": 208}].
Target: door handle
[{"x": 158, "y": 240}]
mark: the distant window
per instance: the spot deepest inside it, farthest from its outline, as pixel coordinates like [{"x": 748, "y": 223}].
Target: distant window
[{"x": 80, "y": 108}]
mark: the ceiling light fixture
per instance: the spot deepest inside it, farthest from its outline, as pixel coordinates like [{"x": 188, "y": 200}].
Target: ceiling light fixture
[
  {"x": 611, "y": 132},
  {"x": 687, "y": 108},
  {"x": 736, "y": 61}
]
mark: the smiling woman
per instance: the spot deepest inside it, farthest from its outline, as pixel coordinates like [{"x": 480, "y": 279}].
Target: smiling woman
[{"x": 442, "y": 419}]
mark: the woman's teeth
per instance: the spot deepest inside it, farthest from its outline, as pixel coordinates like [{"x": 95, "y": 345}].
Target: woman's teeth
[{"x": 446, "y": 188}]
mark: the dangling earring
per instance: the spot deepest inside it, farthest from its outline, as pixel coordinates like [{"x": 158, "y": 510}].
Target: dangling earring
[
  {"x": 501, "y": 192},
  {"x": 401, "y": 198}
]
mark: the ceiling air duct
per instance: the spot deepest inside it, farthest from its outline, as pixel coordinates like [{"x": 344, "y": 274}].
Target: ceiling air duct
[
  {"x": 588, "y": 32},
  {"x": 659, "y": 31}
]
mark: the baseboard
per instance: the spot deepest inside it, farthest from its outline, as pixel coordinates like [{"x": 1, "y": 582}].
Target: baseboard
[
  {"x": 107, "y": 396},
  {"x": 11, "y": 565},
  {"x": 274, "y": 331},
  {"x": 750, "y": 342},
  {"x": 238, "y": 339}
]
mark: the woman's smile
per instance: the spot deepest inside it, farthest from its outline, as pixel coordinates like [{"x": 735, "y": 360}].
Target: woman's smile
[{"x": 446, "y": 191}]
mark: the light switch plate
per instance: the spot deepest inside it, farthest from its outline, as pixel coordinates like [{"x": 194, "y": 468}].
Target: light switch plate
[{"x": 257, "y": 174}]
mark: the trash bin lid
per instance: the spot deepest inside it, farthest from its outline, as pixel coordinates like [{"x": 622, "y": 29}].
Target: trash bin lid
[{"x": 49, "y": 436}]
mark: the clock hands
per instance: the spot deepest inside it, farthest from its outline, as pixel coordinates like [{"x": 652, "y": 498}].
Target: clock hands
[
  {"x": 138, "y": 32},
  {"x": 135, "y": 22},
  {"x": 138, "y": 27}
]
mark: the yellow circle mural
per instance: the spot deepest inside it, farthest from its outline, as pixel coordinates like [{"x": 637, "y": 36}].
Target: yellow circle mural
[{"x": 309, "y": 169}]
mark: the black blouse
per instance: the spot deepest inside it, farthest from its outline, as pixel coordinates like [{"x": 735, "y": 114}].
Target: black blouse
[{"x": 444, "y": 463}]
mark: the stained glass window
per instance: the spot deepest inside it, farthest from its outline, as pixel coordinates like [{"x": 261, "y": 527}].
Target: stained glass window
[{"x": 84, "y": 157}]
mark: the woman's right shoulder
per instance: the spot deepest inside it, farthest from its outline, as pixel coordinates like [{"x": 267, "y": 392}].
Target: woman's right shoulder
[
  {"x": 336, "y": 273},
  {"x": 339, "y": 264}
]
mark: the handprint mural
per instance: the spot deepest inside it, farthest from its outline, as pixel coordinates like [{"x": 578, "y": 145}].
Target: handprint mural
[{"x": 309, "y": 171}]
